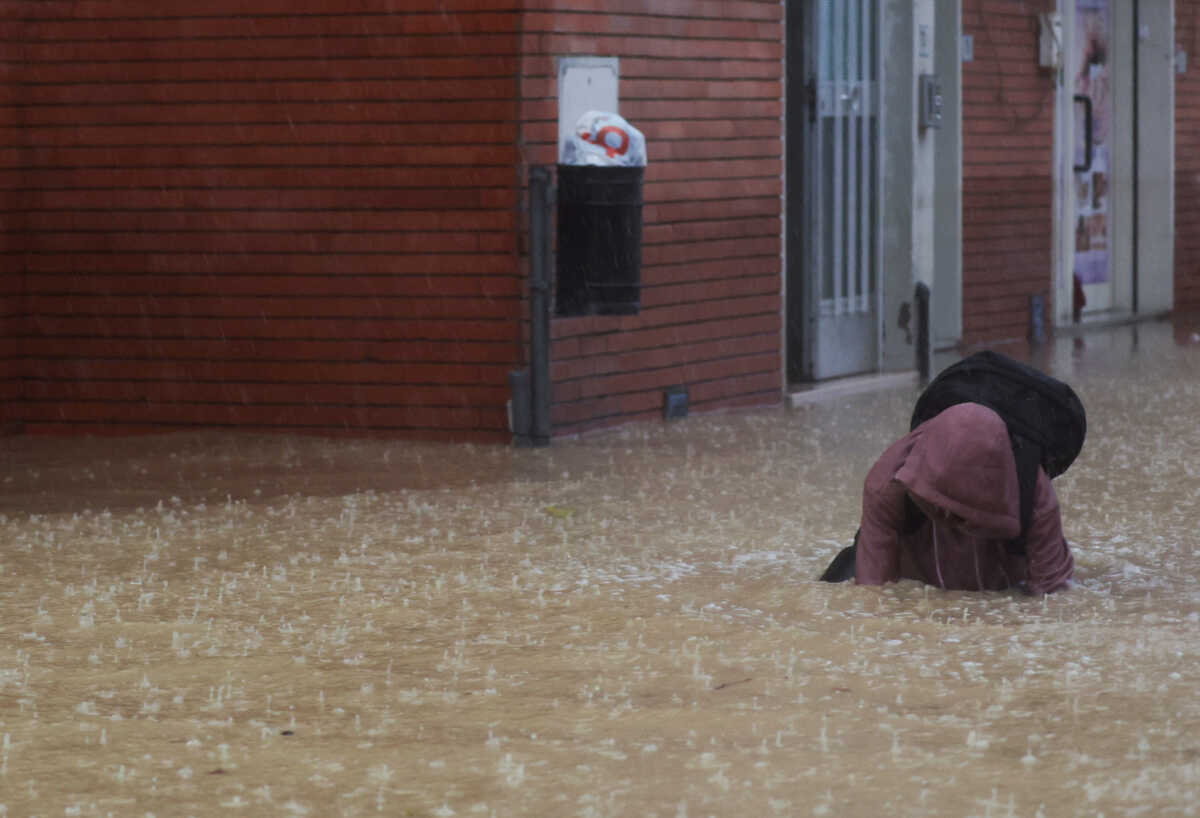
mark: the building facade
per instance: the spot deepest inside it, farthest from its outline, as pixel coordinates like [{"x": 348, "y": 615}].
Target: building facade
[{"x": 313, "y": 216}]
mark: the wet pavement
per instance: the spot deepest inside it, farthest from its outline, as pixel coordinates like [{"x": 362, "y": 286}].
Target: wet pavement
[{"x": 621, "y": 624}]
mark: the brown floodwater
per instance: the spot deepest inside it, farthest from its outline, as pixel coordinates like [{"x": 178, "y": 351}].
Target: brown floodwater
[{"x": 622, "y": 624}]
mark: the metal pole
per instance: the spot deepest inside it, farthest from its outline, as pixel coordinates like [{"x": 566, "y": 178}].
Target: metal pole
[
  {"x": 1137, "y": 123},
  {"x": 924, "y": 348},
  {"x": 539, "y": 304}
]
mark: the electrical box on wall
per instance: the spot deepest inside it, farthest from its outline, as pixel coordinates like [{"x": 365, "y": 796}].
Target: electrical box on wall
[
  {"x": 929, "y": 101},
  {"x": 584, "y": 84},
  {"x": 1050, "y": 40}
]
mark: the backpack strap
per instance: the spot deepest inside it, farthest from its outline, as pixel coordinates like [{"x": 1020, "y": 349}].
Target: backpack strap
[{"x": 1028, "y": 457}]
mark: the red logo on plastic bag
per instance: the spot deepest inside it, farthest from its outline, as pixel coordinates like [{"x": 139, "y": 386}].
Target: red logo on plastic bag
[{"x": 599, "y": 139}]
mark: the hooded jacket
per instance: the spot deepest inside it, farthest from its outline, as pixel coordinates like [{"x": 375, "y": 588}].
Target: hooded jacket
[{"x": 958, "y": 468}]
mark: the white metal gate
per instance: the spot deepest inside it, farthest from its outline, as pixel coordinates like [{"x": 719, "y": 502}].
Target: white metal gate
[{"x": 842, "y": 177}]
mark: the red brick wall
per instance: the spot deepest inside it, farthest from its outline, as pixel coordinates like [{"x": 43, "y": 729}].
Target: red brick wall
[
  {"x": 1008, "y": 148},
  {"x": 11, "y": 330},
  {"x": 11, "y": 232},
  {"x": 702, "y": 80},
  {"x": 1187, "y": 159},
  {"x": 278, "y": 214}
]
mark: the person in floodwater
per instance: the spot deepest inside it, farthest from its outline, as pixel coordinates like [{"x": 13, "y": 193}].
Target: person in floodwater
[{"x": 958, "y": 470}]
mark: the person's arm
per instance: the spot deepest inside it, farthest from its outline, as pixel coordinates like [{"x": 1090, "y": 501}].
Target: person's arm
[
  {"x": 1050, "y": 563},
  {"x": 878, "y": 557}
]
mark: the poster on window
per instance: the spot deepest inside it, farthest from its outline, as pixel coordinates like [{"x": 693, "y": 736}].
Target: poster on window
[{"x": 1090, "y": 65}]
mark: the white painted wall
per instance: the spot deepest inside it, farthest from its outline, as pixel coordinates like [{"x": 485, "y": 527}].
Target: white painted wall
[
  {"x": 947, "y": 235},
  {"x": 922, "y": 176},
  {"x": 924, "y": 148},
  {"x": 1156, "y": 157}
]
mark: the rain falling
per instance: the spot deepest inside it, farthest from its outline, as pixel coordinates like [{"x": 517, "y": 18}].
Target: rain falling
[{"x": 626, "y": 623}]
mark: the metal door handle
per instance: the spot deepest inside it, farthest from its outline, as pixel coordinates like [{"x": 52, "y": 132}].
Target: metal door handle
[{"x": 1088, "y": 146}]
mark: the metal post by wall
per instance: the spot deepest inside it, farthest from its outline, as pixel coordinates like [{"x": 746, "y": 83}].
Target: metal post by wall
[
  {"x": 539, "y": 304},
  {"x": 924, "y": 345}
]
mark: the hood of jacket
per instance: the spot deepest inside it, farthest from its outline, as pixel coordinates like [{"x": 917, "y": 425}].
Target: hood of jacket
[{"x": 961, "y": 460}]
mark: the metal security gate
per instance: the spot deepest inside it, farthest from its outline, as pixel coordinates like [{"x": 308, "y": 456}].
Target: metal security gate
[{"x": 841, "y": 197}]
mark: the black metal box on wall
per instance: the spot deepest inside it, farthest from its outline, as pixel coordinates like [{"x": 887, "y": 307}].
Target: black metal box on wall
[{"x": 599, "y": 254}]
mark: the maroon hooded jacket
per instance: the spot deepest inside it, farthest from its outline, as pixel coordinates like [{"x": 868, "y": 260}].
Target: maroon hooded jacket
[{"x": 958, "y": 468}]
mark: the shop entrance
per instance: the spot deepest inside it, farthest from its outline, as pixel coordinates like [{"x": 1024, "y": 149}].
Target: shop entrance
[{"x": 1115, "y": 159}]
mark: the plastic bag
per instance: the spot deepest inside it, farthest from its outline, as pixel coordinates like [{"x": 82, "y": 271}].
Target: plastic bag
[{"x": 605, "y": 139}]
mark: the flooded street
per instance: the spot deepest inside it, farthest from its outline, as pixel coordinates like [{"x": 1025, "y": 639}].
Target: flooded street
[{"x": 624, "y": 624}]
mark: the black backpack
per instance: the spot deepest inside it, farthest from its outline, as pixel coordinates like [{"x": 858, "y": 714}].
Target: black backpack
[{"x": 1045, "y": 418}]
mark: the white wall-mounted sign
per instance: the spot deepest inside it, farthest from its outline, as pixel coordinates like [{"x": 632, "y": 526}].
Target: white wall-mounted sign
[{"x": 585, "y": 84}]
